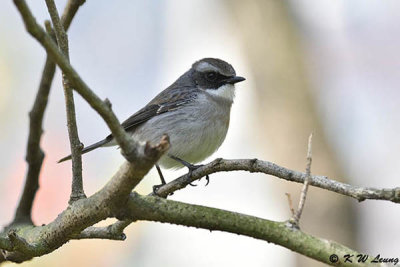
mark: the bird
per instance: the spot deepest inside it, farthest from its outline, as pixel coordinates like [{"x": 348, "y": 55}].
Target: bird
[{"x": 194, "y": 112}]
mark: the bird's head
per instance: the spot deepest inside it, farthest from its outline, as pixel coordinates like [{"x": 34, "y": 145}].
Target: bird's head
[{"x": 215, "y": 77}]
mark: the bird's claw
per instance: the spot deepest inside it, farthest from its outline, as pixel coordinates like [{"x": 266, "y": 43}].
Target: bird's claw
[
  {"x": 193, "y": 167},
  {"x": 207, "y": 179}
]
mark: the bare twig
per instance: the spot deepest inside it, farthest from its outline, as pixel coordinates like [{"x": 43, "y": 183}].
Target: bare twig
[
  {"x": 255, "y": 165},
  {"x": 69, "y": 11},
  {"x": 297, "y": 215},
  {"x": 290, "y": 202},
  {"x": 35, "y": 155},
  {"x": 77, "y": 191}
]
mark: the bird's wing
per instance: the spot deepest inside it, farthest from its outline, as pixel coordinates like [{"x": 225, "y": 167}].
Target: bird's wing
[{"x": 166, "y": 101}]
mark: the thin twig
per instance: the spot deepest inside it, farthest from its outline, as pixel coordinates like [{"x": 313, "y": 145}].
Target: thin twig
[
  {"x": 290, "y": 202},
  {"x": 296, "y": 217},
  {"x": 34, "y": 154},
  {"x": 69, "y": 12},
  {"x": 77, "y": 191}
]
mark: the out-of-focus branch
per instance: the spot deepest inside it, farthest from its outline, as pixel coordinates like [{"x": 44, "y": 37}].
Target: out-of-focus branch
[
  {"x": 256, "y": 165},
  {"x": 103, "y": 108},
  {"x": 77, "y": 191},
  {"x": 35, "y": 155},
  {"x": 156, "y": 209},
  {"x": 69, "y": 12},
  {"x": 297, "y": 215}
]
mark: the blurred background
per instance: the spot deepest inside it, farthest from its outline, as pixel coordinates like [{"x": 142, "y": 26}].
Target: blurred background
[{"x": 328, "y": 67}]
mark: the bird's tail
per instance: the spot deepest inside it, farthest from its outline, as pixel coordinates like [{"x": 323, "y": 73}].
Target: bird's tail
[{"x": 89, "y": 148}]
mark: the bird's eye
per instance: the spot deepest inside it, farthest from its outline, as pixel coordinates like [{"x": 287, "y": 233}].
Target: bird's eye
[{"x": 211, "y": 76}]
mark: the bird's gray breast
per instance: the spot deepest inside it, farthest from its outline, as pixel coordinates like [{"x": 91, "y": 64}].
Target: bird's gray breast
[{"x": 196, "y": 129}]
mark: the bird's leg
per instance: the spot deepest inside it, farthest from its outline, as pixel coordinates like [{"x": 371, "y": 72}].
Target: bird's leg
[
  {"x": 156, "y": 187},
  {"x": 191, "y": 167},
  {"x": 160, "y": 174}
]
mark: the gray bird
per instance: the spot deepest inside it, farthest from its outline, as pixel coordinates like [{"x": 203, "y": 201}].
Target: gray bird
[{"x": 194, "y": 112}]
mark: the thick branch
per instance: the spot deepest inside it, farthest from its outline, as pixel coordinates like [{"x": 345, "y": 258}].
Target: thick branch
[
  {"x": 255, "y": 165},
  {"x": 35, "y": 155},
  {"x": 124, "y": 140},
  {"x": 75, "y": 144},
  {"x": 36, "y": 241},
  {"x": 151, "y": 208}
]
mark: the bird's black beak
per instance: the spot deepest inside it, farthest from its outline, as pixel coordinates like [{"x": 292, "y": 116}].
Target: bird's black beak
[{"x": 234, "y": 79}]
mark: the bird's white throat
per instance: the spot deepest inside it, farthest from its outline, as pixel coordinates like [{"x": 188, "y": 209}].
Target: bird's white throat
[{"x": 226, "y": 91}]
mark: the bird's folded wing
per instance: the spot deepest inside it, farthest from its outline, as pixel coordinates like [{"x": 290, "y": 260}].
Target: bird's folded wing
[{"x": 151, "y": 111}]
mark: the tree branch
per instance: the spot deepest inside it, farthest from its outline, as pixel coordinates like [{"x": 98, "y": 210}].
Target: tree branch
[
  {"x": 255, "y": 165},
  {"x": 77, "y": 191},
  {"x": 123, "y": 139},
  {"x": 34, "y": 241},
  {"x": 156, "y": 209},
  {"x": 34, "y": 154}
]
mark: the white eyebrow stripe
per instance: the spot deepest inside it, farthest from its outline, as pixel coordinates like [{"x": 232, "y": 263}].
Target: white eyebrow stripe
[{"x": 205, "y": 66}]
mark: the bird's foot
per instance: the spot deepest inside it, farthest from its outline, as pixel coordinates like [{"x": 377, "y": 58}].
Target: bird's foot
[
  {"x": 193, "y": 167},
  {"x": 156, "y": 187}
]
